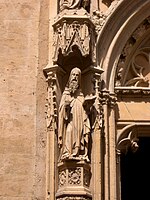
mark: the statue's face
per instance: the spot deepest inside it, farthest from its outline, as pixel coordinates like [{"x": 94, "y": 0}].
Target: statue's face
[
  {"x": 75, "y": 76},
  {"x": 74, "y": 80}
]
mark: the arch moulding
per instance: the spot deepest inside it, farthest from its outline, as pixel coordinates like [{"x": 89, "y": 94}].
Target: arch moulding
[
  {"x": 120, "y": 133},
  {"x": 109, "y": 46}
]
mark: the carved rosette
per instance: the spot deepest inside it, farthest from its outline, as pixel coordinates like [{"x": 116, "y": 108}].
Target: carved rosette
[
  {"x": 71, "y": 31},
  {"x": 74, "y": 178}
]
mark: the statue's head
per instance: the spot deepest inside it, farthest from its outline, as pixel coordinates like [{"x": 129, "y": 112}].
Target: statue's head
[{"x": 74, "y": 80}]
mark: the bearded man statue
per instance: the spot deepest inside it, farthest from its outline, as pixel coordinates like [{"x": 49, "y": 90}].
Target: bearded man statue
[{"x": 74, "y": 124}]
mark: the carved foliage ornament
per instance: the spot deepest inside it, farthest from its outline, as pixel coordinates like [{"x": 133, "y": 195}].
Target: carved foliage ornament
[
  {"x": 51, "y": 107},
  {"x": 74, "y": 176},
  {"x": 99, "y": 18},
  {"x": 62, "y": 178}
]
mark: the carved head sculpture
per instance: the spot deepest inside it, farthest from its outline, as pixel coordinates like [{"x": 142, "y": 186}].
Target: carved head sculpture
[{"x": 74, "y": 82}]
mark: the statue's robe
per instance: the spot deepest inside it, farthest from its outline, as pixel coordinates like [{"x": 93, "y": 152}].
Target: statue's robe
[
  {"x": 70, "y": 4},
  {"x": 74, "y": 125}
]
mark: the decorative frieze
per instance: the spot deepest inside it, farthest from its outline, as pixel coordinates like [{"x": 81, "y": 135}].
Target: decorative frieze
[{"x": 132, "y": 91}]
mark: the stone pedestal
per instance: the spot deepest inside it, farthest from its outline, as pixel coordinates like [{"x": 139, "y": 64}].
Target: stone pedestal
[{"x": 74, "y": 180}]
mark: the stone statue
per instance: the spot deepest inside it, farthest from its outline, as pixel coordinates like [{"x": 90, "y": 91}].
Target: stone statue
[
  {"x": 74, "y": 124},
  {"x": 74, "y": 4}
]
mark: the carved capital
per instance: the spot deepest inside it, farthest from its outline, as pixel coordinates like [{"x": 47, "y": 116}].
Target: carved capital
[{"x": 108, "y": 99}]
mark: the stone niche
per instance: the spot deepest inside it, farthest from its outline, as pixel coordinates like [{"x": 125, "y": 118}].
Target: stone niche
[{"x": 73, "y": 103}]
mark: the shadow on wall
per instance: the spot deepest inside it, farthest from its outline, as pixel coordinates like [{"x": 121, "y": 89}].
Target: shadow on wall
[{"x": 107, "y": 2}]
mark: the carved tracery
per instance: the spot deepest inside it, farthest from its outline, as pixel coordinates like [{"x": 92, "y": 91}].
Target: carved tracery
[
  {"x": 134, "y": 64},
  {"x": 128, "y": 138}
]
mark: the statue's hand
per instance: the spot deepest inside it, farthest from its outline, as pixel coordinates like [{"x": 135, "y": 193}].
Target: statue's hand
[
  {"x": 67, "y": 110},
  {"x": 67, "y": 103}
]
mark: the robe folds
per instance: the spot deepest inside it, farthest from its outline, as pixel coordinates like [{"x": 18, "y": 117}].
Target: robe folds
[
  {"x": 70, "y": 4},
  {"x": 74, "y": 124}
]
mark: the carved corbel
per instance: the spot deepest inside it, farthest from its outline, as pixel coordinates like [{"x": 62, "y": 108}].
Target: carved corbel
[
  {"x": 128, "y": 139},
  {"x": 108, "y": 98}
]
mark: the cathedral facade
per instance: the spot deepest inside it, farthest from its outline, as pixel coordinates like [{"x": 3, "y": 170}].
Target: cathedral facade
[{"x": 75, "y": 99}]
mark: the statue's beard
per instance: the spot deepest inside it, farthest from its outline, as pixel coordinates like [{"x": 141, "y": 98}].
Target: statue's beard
[{"x": 73, "y": 86}]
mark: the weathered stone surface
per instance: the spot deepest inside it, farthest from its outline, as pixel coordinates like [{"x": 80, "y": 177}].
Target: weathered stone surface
[
  {"x": 28, "y": 149},
  {"x": 19, "y": 30}
]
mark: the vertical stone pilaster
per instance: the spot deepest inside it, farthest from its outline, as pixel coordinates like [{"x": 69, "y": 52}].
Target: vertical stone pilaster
[
  {"x": 112, "y": 149},
  {"x": 108, "y": 101},
  {"x": 52, "y": 73}
]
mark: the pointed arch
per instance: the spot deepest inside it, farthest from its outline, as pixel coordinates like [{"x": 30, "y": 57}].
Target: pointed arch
[{"x": 117, "y": 30}]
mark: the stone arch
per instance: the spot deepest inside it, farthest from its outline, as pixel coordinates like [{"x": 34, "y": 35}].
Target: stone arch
[
  {"x": 109, "y": 47},
  {"x": 119, "y": 133}
]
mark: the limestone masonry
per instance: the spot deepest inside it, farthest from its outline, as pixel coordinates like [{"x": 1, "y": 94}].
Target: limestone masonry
[{"x": 74, "y": 99}]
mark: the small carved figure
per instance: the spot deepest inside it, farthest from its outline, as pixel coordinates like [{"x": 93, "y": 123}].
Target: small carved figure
[
  {"x": 74, "y": 4},
  {"x": 74, "y": 123}
]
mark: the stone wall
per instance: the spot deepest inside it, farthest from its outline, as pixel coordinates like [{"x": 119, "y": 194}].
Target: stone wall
[{"x": 19, "y": 121}]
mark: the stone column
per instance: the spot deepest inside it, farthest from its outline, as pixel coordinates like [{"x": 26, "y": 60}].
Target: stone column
[
  {"x": 105, "y": 99},
  {"x": 112, "y": 148},
  {"x": 109, "y": 146}
]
